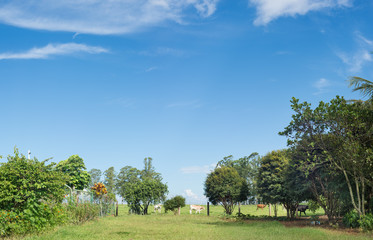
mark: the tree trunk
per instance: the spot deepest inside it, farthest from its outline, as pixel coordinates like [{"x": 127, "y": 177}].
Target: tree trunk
[{"x": 269, "y": 207}]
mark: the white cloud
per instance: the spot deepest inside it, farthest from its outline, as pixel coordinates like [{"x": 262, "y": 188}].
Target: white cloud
[
  {"x": 193, "y": 198},
  {"x": 358, "y": 58},
  {"x": 98, "y": 16},
  {"x": 53, "y": 49},
  {"x": 151, "y": 69},
  {"x": 268, "y": 10},
  {"x": 321, "y": 85},
  {"x": 198, "y": 169}
]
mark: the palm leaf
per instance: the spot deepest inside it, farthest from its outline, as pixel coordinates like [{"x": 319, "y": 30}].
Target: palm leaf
[{"x": 364, "y": 86}]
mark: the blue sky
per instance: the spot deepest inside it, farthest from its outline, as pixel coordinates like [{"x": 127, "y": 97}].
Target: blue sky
[{"x": 185, "y": 82}]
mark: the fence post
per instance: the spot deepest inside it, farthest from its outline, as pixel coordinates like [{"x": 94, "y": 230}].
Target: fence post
[
  {"x": 116, "y": 210},
  {"x": 208, "y": 208}
]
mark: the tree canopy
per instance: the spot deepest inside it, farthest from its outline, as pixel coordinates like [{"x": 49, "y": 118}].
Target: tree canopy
[
  {"x": 225, "y": 186},
  {"x": 74, "y": 168}
]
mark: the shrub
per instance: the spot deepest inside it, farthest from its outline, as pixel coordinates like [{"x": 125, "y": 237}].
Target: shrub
[
  {"x": 366, "y": 222},
  {"x": 35, "y": 218},
  {"x": 174, "y": 204},
  {"x": 351, "y": 219}
]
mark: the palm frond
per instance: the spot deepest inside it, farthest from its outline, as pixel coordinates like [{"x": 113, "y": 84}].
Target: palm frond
[{"x": 362, "y": 85}]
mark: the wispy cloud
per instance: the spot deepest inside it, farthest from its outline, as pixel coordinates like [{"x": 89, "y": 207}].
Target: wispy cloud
[
  {"x": 198, "y": 169},
  {"x": 188, "y": 104},
  {"x": 322, "y": 86},
  {"x": 151, "y": 69},
  {"x": 193, "y": 198},
  {"x": 53, "y": 50},
  {"x": 358, "y": 58},
  {"x": 269, "y": 10},
  {"x": 99, "y": 16},
  {"x": 123, "y": 102}
]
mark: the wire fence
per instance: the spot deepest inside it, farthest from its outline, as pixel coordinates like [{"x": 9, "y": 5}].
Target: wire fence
[{"x": 107, "y": 205}]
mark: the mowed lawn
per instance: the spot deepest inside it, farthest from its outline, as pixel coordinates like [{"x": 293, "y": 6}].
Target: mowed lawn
[{"x": 186, "y": 226}]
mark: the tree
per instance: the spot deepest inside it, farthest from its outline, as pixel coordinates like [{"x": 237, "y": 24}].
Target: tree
[
  {"x": 270, "y": 181},
  {"x": 109, "y": 181},
  {"x": 225, "y": 186},
  {"x": 247, "y": 167},
  {"x": 141, "y": 188},
  {"x": 362, "y": 85},
  {"x": 348, "y": 127},
  {"x": 74, "y": 167},
  {"x": 28, "y": 182},
  {"x": 174, "y": 204},
  {"x": 95, "y": 176}
]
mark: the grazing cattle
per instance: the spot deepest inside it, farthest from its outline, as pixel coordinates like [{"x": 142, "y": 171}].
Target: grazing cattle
[
  {"x": 302, "y": 208},
  {"x": 158, "y": 207},
  {"x": 260, "y": 206},
  {"x": 197, "y": 208}
]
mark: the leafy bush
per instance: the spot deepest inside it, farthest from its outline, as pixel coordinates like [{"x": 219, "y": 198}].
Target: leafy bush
[
  {"x": 30, "y": 195},
  {"x": 174, "y": 204},
  {"x": 313, "y": 206},
  {"x": 351, "y": 219},
  {"x": 366, "y": 222},
  {"x": 28, "y": 181},
  {"x": 35, "y": 218}
]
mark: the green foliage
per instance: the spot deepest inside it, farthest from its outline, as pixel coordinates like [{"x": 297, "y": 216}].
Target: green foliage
[
  {"x": 271, "y": 176},
  {"x": 141, "y": 188},
  {"x": 80, "y": 213},
  {"x": 24, "y": 182},
  {"x": 313, "y": 206},
  {"x": 174, "y": 204},
  {"x": 247, "y": 167},
  {"x": 224, "y": 185},
  {"x": 35, "y": 218},
  {"x": 95, "y": 176},
  {"x": 366, "y": 222},
  {"x": 110, "y": 181},
  {"x": 342, "y": 132},
  {"x": 351, "y": 219},
  {"x": 75, "y": 169}
]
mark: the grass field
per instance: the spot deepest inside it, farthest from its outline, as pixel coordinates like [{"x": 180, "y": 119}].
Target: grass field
[{"x": 186, "y": 226}]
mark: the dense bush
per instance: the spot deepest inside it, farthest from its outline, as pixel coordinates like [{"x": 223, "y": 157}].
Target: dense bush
[
  {"x": 30, "y": 195},
  {"x": 174, "y": 204},
  {"x": 366, "y": 222},
  {"x": 36, "y": 217}
]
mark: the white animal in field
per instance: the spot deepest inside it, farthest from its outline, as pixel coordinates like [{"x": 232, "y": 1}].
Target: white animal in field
[
  {"x": 158, "y": 207},
  {"x": 197, "y": 208}
]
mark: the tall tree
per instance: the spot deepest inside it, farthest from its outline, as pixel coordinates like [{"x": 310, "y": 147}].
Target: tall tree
[
  {"x": 95, "y": 176},
  {"x": 109, "y": 180},
  {"x": 349, "y": 128},
  {"x": 75, "y": 168},
  {"x": 247, "y": 167}
]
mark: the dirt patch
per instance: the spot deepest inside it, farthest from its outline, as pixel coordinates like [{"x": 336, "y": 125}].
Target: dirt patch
[{"x": 324, "y": 224}]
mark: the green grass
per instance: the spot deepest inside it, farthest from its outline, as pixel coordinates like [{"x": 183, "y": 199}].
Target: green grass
[{"x": 186, "y": 226}]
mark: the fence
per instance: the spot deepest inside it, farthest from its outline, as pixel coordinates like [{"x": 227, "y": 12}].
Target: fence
[{"x": 107, "y": 205}]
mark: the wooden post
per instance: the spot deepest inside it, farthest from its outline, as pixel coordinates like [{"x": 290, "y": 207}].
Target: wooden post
[
  {"x": 208, "y": 209},
  {"x": 269, "y": 206},
  {"x": 239, "y": 209},
  {"x": 116, "y": 210}
]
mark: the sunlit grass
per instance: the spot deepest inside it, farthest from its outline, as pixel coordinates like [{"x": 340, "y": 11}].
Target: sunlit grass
[{"x": 186, "y": 226}]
